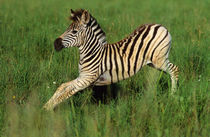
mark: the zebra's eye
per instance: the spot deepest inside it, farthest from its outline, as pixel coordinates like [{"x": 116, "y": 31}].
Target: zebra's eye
[{"x": 74, "y": 31}]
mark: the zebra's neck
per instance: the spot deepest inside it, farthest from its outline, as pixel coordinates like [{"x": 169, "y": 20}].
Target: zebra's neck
[
  {"x": 98, "y": 32},
  {"x": 95, "y": 41}
]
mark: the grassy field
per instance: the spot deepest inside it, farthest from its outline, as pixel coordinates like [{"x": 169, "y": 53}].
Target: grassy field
[{"x": 31, "y": 70}]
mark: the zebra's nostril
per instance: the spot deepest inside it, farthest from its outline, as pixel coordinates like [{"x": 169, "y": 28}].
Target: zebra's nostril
[{"x": 58, "y": 44}]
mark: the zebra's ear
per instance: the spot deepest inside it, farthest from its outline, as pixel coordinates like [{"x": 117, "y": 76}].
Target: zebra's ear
[
  {"x": 85, "y": 18},
  {"x": 72, "y": 13}
]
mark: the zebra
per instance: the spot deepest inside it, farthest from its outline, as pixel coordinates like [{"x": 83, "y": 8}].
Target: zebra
[{"x": 102, "y": 63}]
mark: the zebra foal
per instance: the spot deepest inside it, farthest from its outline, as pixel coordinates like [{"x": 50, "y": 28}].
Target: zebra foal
[{"x": 102, "y": 63}]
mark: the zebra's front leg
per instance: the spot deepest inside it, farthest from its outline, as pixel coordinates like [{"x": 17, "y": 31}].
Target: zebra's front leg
[{"x": 65, "y": 91}]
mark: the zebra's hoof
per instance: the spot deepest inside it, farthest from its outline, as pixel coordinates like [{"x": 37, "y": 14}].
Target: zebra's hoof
[{"x": 48, "y": 107}]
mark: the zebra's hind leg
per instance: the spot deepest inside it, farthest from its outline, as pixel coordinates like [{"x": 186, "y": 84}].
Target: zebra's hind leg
[
  {"x": 166, "y": 66},
  {"x": 173, "y": 70}
]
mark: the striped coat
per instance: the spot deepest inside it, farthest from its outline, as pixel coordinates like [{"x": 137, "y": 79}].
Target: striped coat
[{"x": 102, "y": 63}]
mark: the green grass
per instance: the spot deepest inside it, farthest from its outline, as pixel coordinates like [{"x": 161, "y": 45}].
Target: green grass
[{"x": 31, "y": 70}]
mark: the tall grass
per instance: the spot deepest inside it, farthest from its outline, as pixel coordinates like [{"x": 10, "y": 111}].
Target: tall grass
[{"x": 30, "y": 71}]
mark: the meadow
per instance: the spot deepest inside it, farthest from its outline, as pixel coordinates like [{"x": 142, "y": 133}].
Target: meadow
[{"x": 31, "y": 70}]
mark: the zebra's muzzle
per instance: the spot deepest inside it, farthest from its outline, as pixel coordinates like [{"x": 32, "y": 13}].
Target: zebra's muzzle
[{"x": 58, "y": 44}]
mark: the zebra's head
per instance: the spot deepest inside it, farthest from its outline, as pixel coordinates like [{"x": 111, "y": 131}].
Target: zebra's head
[{"x": 75, "y": 35}]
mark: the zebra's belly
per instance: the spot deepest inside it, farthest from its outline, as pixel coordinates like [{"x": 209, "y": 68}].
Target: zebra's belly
[
  {"x": 104, "y": 79},
  {"x": 113, "y": 76}
]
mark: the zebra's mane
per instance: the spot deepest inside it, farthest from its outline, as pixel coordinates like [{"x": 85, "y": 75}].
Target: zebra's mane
[{"x": 93, "y": 23}]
